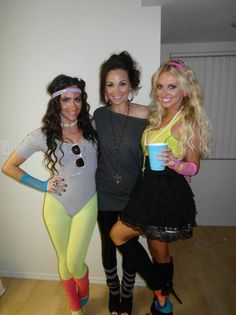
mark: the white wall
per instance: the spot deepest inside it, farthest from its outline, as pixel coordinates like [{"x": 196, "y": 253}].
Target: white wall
[
  {"x": 214, "y": 186},
  {"x": 39, "y": 40}
]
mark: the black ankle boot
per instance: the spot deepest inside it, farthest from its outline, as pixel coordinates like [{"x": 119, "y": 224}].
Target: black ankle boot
[
  {"x": 127, "y": 286},
  {"x": 165, "y": 310},
  {"x": 113, "y": 284},
  {"x": 156, "y": 310},
  {"x": 114, "y": 303},
  {"x": 126, "y": 305}
]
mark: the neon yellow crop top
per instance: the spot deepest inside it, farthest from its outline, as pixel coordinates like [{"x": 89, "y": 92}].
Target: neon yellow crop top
[{"x": 162, "y": 135}]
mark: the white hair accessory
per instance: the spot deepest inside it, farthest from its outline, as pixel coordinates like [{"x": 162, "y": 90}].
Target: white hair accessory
[{"x": 69, "y": 89}]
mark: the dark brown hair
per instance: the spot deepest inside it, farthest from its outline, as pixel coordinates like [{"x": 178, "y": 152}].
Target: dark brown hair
[
  {"x": 51, "y": 122},
  {"x": 119, "y": 61}
]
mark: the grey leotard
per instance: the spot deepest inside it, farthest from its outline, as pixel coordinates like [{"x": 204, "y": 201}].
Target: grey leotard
[{"x": 80, "y": 180}]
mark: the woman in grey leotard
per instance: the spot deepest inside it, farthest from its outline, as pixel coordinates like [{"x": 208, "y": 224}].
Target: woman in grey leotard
[{"x": 68, "y": 142}]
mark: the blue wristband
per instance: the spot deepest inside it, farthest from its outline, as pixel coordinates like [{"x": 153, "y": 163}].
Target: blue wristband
[{"x": 34, "y": 182}]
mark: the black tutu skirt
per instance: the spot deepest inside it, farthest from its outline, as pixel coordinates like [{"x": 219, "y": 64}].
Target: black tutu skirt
[{"x": 161, "y": 206}]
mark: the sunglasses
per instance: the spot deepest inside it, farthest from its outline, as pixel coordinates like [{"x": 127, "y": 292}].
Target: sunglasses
[{"x": 76, "y": 150}]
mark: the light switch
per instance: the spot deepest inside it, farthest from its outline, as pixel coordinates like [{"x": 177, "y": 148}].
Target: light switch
[{"x": 5, "y": 147}]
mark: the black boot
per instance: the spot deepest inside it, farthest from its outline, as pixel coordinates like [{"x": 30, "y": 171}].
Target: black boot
[
  {"x": 127, "y": 286},
  {"x": 136, "y": 254},
  {"x": 114, "y": 303},
  {"x": 114, "y": 290},
  {"x": 156, "y": 309},
  {"x": 138, "y": 257},
  {"x": 164, "y": 272},
  {"x": 126, "y": 305}
]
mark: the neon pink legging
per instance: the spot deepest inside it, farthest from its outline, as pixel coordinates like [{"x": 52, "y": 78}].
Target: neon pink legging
[{"x": 71, "y": 237}]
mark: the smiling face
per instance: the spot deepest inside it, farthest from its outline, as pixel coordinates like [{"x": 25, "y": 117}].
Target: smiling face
[
  {"x": 168, "y": 92},
  {"x": 70, "y": 106},
  {"x": 117, "y": 87}
]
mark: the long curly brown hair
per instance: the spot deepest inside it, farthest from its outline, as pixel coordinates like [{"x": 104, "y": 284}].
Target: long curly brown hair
[{"x": 51, "y": 122}]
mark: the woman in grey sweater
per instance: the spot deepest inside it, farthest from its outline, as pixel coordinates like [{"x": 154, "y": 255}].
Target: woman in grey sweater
[{"x": 119, "y": 125}]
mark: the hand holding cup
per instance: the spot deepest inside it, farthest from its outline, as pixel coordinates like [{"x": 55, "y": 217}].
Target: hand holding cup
[{"x": 158, "y": 153}]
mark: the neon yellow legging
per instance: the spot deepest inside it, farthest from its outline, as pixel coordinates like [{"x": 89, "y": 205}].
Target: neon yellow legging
[{"x": 70, "y": 235}]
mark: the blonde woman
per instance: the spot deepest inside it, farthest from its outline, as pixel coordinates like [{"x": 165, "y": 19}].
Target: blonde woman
[{"x": 161, "y": 206}]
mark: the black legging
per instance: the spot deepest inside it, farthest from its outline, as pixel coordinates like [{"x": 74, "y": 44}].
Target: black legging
[
  {"x": 118, "y": 292},
  {"x": 106, "y": 219}
]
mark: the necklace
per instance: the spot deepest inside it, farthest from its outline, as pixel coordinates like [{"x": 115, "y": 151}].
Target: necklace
[
  {"x": 163, "y": 130},
  {"x": 158, "y": 135},
  {"x": 117, "y": 142},
  {"x": 68, "y": 125}
]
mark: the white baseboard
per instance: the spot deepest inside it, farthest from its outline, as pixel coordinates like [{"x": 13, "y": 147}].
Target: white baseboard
[
  {"x": 55, "y": 277},
  {"x": 26, "y": 275},
  {"x": 2, "y": 289}
]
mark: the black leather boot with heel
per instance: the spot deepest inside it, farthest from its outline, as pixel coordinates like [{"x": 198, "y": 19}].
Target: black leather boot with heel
[{"x": 164, "y": 272}]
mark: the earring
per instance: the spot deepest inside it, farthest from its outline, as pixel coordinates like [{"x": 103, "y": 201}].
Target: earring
[
  {"x": 131, "y": 96},
  {"x": 106, "y": 99}
]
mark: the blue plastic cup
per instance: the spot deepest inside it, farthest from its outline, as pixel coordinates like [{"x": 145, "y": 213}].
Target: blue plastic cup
[{"x": 153, "y": 150}]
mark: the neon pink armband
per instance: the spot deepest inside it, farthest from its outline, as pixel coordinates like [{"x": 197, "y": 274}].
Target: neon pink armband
[{"x": 184, "y": 168}]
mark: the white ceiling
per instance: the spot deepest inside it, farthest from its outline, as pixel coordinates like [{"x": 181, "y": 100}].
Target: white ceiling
[{"x": 185, "y": 21}]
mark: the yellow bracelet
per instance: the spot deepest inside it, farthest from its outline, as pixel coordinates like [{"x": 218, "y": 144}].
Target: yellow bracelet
[{"x": 179, "y": 169}]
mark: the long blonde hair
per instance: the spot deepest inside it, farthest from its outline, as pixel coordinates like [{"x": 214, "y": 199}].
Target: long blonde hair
[{"x": 193, "y": 118}]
